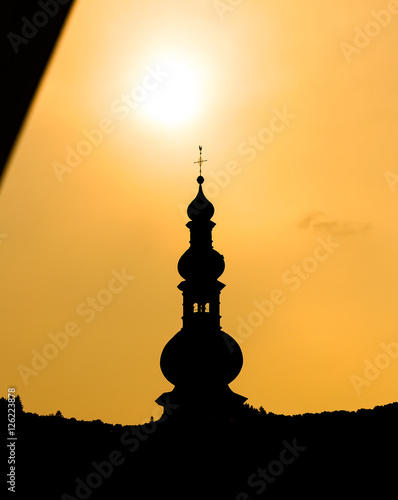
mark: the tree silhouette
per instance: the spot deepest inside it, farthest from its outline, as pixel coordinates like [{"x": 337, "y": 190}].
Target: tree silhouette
[
  {"x": 251, "y": 456},
  {"x": 18, "y": 404}
]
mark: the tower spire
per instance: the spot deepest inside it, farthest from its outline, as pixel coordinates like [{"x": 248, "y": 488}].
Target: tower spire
[{"x": 201, "y": 360}]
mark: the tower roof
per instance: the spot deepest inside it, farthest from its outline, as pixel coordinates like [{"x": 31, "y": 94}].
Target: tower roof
[{"x": 200, "y": 208}]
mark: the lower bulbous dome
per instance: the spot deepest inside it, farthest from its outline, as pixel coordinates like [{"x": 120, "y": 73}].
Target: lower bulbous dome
[
  {"x": 203, "y": 264},
  {"x": 201, "y": 358}
]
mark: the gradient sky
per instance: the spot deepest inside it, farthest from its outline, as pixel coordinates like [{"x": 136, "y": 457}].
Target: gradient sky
[{"x": 297, "y": 111}]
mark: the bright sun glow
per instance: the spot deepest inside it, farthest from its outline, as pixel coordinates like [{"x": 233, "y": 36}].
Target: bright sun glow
[{"x": 176, "y": 100}]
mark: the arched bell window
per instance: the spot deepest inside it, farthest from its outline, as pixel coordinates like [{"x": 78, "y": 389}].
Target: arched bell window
[{"x": 201, "y": 308}]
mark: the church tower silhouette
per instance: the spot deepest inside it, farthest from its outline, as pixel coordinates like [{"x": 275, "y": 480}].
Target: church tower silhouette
[{"x": 201, "y": 360}]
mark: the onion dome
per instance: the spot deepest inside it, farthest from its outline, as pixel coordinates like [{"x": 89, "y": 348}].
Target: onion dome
[
  {"x": 200, "y": 208},
  {"x": 201, "y": 265},
  {"x": 203, "y": 357}
]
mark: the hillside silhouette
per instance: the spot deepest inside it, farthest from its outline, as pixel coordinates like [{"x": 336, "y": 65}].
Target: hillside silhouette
[{"x": 253, "y": 455}]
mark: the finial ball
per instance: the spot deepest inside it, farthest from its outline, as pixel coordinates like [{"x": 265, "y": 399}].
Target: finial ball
[{"x": 200, "y": 179}]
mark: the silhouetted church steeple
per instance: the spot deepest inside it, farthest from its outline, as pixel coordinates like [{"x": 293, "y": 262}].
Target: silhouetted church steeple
[
  {"x": 200, "y": 266},
  {"x": 201, "y": 360}
]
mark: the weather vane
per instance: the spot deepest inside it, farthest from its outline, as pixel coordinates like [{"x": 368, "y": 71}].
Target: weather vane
[{"x": 200, "y": 161}]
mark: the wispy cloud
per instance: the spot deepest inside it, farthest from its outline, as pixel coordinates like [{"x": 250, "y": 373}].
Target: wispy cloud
[{"x": 318, "y": 221}]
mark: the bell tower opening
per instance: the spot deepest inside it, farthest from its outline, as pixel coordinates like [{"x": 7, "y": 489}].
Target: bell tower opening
[{"x": 201, "y": 308}]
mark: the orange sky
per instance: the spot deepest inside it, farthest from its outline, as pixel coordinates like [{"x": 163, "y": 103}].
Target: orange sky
[{"x": 295, "y": 104}]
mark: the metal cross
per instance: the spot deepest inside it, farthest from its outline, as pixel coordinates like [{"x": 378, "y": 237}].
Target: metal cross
[{"x": 200, "y": 161}]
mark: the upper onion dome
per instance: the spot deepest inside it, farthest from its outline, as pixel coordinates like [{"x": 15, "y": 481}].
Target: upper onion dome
[{"x": 200, "y": 208}]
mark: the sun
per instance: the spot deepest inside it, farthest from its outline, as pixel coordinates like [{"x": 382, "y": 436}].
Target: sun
[{"x": 176, "y": 100}]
